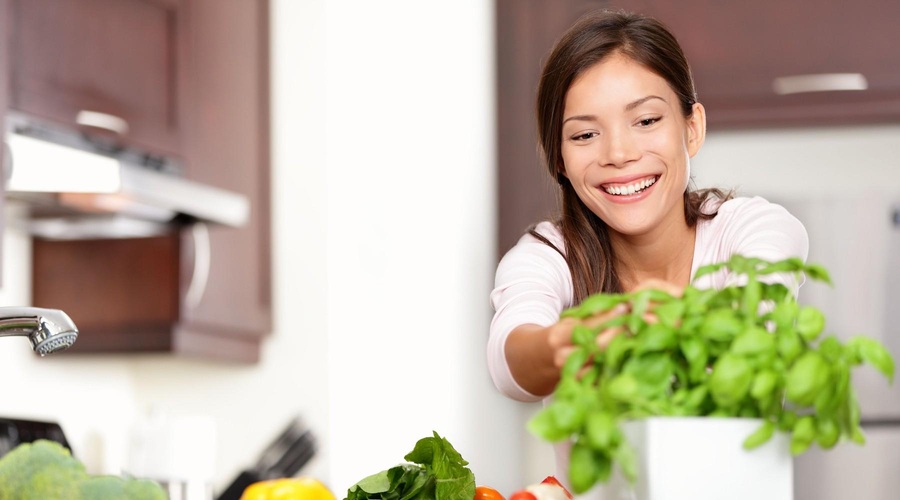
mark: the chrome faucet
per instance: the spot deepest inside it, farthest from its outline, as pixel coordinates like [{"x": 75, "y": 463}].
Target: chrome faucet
[{"x": 49, "y": 330}]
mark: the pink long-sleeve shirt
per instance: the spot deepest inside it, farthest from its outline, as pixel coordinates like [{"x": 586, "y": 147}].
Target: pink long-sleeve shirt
[{"x": 533, "y": 284}]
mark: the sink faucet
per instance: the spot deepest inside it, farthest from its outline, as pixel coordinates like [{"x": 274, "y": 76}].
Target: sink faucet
[{"x": 49, "y": 330}]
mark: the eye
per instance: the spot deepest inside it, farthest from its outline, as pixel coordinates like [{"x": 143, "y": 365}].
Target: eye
[
  {"x": 584, "y": 136},
  {"x": 646, "y": 122}
]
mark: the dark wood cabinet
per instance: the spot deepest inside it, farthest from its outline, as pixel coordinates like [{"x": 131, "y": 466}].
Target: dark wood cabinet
[
  {"x": 227, "y": 145},
  {"x": 202, "y": 291},
  {"x": 122, "y": 294},
  {"x": 739, "y": 54},
  {"x": 118, "y": 65},
  {"x": 4, "y": 103},
  {"x": 526, "y": 31},
  {"x": 788, "y": 63}
]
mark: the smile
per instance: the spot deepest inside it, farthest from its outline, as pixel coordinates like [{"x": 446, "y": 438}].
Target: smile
[{"x": 630, "y": 189}]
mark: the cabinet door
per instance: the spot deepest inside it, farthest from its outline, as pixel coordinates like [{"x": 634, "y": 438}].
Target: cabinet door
[
  {"x": 102, "y": 64},
  {"x": 227, "y": 145}
]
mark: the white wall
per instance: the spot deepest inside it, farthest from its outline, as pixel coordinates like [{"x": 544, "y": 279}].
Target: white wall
[
  {"x": 409, "y": 134},
  {"x": 800, "y": 163}
]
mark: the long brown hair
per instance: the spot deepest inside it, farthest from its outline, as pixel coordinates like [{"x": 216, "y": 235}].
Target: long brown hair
[{"x": 589, "y": 252}]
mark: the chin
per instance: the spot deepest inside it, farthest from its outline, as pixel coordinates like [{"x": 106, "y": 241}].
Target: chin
[{"x": 631, "y": 228}]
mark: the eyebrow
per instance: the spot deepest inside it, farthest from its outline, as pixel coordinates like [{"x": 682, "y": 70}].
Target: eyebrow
[
  {"x": 642, "y": 100},
  {"x": 628, "y": 107}
]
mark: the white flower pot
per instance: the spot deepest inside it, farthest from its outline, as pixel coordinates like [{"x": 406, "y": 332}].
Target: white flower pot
[{"x": 701, "y": 458}]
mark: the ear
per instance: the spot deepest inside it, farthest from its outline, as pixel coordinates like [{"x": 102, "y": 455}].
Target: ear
[
  {"x": 561, "y": 172},
  {"x": 696, "y": 125}
]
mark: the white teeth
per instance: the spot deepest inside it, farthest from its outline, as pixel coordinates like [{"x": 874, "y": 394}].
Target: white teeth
[{"x": 630, "y": 189}]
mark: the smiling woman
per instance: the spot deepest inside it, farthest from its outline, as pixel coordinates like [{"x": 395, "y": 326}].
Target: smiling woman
[
  {"x": 618, "y": 122},
  {"x": 624, "y": 118}
]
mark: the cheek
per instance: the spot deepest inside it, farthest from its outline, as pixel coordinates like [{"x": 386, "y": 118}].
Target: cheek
[
  {"x": 673, "y": 149},
  {"x": 573, "y": 161},
  {"x": 664, "y": 144}
]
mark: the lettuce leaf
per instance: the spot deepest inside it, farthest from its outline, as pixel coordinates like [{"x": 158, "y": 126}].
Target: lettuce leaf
[{"x": 437, "y": 472}]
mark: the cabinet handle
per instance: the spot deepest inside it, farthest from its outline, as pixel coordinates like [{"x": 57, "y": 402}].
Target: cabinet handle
[
  {"x": 821, "y": 82},
  {"x": 102, "y": 120},
  {"x": 200, "y": 272}
]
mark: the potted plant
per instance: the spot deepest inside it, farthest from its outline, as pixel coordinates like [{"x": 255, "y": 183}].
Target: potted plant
[{"x": 750, "y": 353}]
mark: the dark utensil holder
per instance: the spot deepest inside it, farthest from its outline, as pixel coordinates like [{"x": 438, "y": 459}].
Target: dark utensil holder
[{"x": 14, "y": 432}]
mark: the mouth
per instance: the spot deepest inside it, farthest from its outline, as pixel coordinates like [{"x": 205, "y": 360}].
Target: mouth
[{"x": 631, "y": 188}]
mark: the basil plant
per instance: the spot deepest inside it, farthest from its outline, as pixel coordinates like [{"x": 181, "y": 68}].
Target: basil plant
[{"x": 742, "y": 351}]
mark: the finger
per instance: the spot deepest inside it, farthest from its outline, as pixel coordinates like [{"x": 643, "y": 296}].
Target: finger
[
  {"x": 607, "y": 336},
  {"x": 561, "y": 355},
  {"x": 598, "y": 319},
  {"x": 561, "y": 333},
  {"x": 583, "y": 371}
]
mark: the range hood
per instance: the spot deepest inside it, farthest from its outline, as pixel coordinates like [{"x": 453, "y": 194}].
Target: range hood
[{"x": 75, "y": 187}]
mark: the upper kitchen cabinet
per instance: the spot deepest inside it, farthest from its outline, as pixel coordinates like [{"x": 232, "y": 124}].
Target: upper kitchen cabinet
[
  {"x": 786, "y": 63},
  {"x": 112, "y": 67},
  {"x": 755, "y": 64},
  {"x": 199, "y": 289}
]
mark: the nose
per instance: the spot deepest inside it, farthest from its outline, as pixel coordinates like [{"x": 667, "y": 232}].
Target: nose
[{"x": 619, "y": 148}]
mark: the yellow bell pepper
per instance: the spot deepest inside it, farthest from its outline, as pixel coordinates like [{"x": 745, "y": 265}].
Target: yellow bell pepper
[{"x": 301, "y": 488}]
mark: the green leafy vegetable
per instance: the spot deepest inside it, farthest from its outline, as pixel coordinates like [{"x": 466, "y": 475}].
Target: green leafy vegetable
[
  {"x": 437, "y": 472},
  {"x": 743, "y": 351}
]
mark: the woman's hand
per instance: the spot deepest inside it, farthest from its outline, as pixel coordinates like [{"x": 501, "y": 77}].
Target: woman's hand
[
  {"x": 536, "y": 354},
  {"x": 661, "y": 285},
  {"x": 560, "y": 336}
]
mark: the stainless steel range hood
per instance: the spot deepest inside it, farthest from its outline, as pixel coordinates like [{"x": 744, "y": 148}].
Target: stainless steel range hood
[{"x": 79, "y": 188}]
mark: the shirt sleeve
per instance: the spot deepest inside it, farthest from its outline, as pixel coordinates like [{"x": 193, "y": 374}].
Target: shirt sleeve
[
  {"x": 754, "y": 227},
  {"x": 532, "y": 286}
]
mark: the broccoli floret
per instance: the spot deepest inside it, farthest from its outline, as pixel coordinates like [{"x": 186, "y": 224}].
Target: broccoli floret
[
  {"x": 40, "y": 470},
  {"x": 113, "y": 487},
  {"x": 45, "y": 470}
]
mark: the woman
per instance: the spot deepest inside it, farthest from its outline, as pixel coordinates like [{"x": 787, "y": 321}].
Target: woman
[{"x": 618, "y": 123}]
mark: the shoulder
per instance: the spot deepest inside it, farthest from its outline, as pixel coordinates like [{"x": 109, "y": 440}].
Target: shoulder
[
  {"x": 742, "y": 206},
  {"x": 548, "y": 230},
  {"x": 532, "y": 260},
  {"x": 530, "y": 246},
  {"x": 738, "y": 215},
  {"x": 534, "y": 248},
  {"x": 753, "y": 227}
]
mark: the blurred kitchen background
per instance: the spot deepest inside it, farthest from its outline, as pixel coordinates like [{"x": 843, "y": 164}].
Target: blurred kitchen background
[{"x": 387, "y": 152}]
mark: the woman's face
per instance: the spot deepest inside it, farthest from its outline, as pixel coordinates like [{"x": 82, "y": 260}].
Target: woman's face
[{"x": 626, "y": 145}]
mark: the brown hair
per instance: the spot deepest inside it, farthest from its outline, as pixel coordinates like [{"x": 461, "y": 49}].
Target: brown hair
[{"x": 589, "y": 252}]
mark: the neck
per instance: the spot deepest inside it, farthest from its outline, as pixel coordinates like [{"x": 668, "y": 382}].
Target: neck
[{"x": 666, "y": 254}]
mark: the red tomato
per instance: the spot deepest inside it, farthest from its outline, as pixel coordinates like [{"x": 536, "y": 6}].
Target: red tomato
[
  {"x": 487, "y": 493},
  {"x": 522, "y": 495}
]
